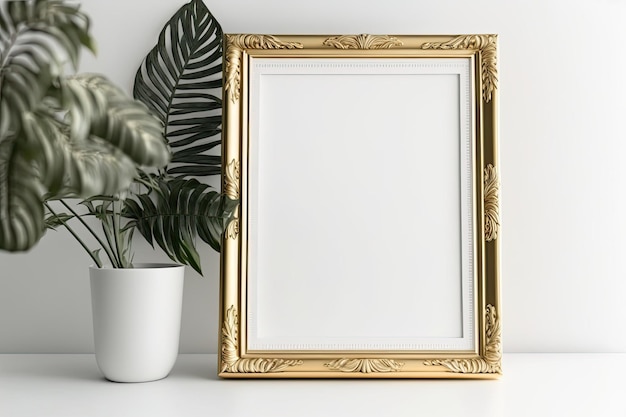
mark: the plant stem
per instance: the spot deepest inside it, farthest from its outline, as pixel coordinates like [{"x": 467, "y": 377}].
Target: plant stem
[
  {"x": 107, "y": 250},
  {"x": 106, "y": 228},
  {"x": 116, "y": 235},
  {"x": 69, "y": 229}
]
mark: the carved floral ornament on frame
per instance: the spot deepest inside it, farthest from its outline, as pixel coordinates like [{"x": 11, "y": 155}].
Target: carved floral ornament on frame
[{"x": 484, "y": 361}]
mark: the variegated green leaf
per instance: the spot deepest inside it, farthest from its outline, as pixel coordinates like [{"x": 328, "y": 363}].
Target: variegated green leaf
[
  {"x": 53, "y": 221},
  {"x": 61, "y": 136}
]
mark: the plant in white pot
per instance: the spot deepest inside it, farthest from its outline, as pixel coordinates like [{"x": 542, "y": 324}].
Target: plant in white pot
[
  {"x": 166, "y": 206},
  {"x": 180, "y": 80}
]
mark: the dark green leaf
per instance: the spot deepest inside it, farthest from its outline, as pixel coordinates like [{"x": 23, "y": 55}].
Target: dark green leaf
[
  {"x": 192, "y": 139},
  {"x": 201, "y": 85},
  {"x": 206, "y": 160},
  {"x": 195, "y": 170},
  {"x": 180, "y": 80},
  {"x": 197, "y": 150},
  {"x": 181, "y": 210}
]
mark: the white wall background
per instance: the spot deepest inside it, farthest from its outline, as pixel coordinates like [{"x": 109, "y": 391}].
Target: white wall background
[{"x": 563, "y": 146}]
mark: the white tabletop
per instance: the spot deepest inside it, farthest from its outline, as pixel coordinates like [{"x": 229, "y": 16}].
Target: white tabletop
[{"x": 589, "y": 385}]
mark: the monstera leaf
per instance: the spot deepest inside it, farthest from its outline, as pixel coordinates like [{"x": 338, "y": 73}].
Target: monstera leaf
[
  {"x": 181, "y": 80},
  {"x": 60, "y": 136},
  {"x": 175, "y": 212}
]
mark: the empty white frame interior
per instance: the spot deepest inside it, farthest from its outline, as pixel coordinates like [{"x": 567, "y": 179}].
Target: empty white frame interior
[{"x": 360, "y": 205}]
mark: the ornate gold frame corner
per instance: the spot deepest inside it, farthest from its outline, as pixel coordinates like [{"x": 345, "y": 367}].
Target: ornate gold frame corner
[{"x": 235, "y": 361}]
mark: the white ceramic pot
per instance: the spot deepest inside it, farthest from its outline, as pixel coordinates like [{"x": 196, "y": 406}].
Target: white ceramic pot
[{"x": 136, "y": 318}]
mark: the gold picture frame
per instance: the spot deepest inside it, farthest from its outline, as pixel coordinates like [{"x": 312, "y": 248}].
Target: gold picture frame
[{"x": 417, "y": 244}]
